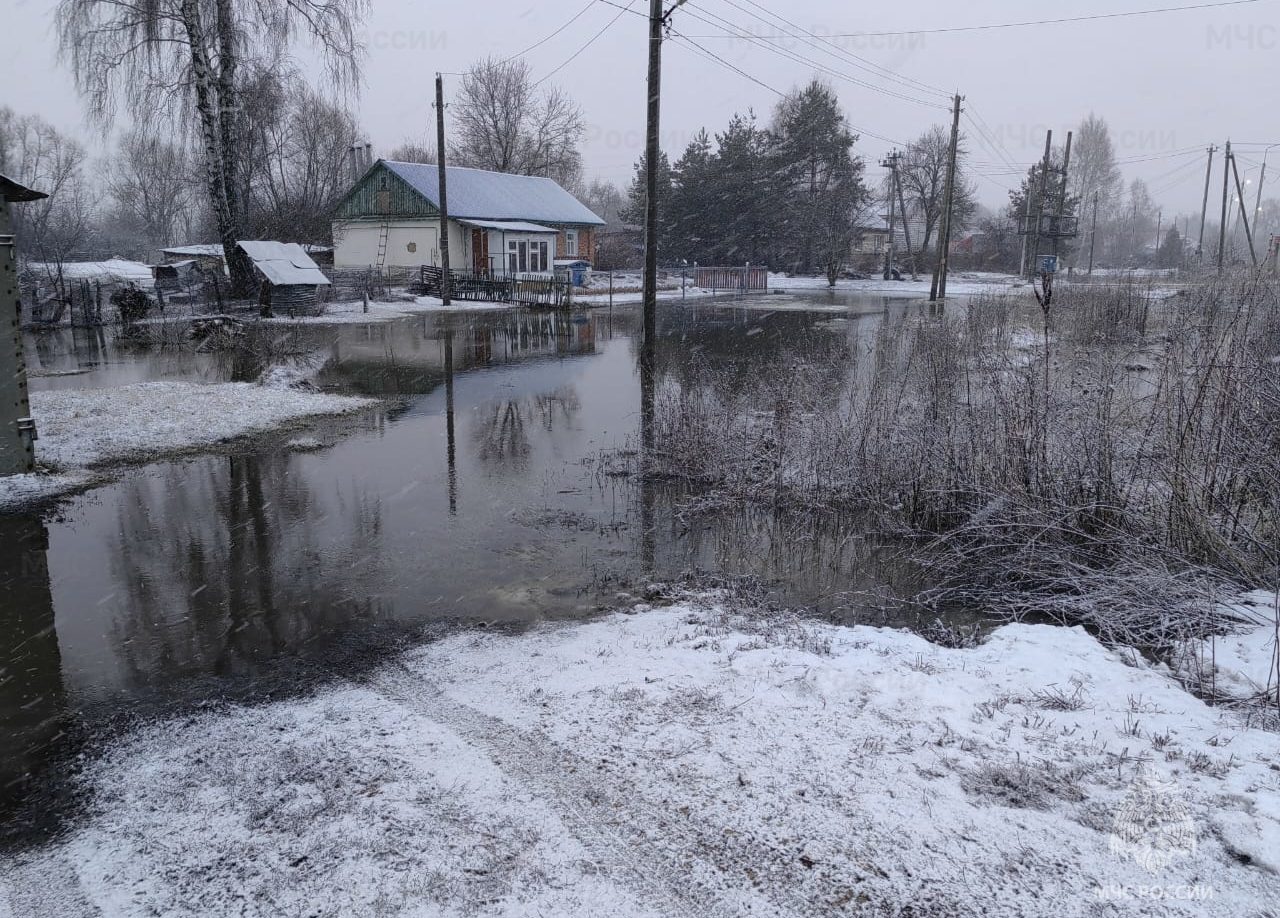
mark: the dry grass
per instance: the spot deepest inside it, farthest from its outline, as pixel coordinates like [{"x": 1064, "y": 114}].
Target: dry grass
[{"x": 1124, "y": 477}]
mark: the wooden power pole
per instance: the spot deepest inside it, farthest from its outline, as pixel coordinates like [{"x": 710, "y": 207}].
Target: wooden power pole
[
  {"x": 1204, "y": 207},
  {"x": 1093, "y": 232},
  {"x": 1222, "y": 230},
  {"x": 445, "y": 279},
  {"x": 648, "y": 354},
  {"x": 939, "y": 286}
]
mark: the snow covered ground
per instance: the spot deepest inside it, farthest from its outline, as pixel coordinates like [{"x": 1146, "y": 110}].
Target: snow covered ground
[
  {"x": 692, "y": 760},
  {"x": 84, "y": 430},
  {"x": 964, "y": 283}
]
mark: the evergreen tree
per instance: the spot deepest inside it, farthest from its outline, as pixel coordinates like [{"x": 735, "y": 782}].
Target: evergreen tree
[
  {"x": 1172, "y": 250},
  {"x": 740, "y": 223},
  {"x": 818, "y": 180},
  {"x": 633, "y": 211},
  {"x": 693, "y": 200}
]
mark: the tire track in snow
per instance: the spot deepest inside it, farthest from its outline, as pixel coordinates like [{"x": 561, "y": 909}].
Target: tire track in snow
[{"x": 700, "y": 869}]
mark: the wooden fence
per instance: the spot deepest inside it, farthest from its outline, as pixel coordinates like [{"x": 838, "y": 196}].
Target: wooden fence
[
  {"x": 519, "y": 290},
  {"x": 729, "y": 278}
]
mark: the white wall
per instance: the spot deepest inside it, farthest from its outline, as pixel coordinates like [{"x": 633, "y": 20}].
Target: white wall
[{"x": 355, "y": 243}]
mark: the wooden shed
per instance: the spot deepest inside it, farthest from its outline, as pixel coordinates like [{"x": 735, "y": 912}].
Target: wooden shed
[{"x": 290, "y": 279}]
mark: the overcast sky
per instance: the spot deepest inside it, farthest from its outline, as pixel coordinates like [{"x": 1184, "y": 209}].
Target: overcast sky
[{"x": 1166, "y": 83}]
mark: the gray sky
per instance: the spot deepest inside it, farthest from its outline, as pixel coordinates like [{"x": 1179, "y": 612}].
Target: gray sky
[{"x": 1165, "y": 83}]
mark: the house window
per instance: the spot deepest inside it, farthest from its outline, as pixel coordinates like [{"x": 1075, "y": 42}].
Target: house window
[
  {"x": 527, "y": 256},
  {"x": 571, "y": 243}
]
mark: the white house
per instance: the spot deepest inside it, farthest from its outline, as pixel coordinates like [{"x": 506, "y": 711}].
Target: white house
[{"x": 499, "y": 224}]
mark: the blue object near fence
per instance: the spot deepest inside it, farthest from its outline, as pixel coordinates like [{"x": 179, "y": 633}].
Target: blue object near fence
[{"x": 1048, "y": 264}]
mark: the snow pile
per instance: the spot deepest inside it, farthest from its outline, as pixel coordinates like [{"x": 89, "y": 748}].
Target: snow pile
[
  {"x": 691, "y": 760},
  {"x": 1243, "y": 665},
  {"x": 347, "y": 312},
  {"x": 82, "y": 429}
]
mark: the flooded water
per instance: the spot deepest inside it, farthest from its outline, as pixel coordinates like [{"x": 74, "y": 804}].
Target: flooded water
[{"x": 473, "y": 495}]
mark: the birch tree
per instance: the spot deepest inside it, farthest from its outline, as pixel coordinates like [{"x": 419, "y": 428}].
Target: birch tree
[{"x": 173, "y": 56}]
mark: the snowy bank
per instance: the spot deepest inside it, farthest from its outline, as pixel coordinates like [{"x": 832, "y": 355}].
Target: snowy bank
[
  {"x": 83, "y": 430},
  {"x": 968, "y": 283},
  {"x": 689, "y": 760}
]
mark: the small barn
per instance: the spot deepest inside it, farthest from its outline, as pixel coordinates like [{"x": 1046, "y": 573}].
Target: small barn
[{"x": 290, "y": 279}]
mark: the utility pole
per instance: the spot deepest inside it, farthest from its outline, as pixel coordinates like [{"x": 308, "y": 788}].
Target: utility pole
[
  {"x": 1093, "y": 232},
  {"x": 1222, "y": 229},
  {"x": 906, "y": 224},
  {"x": 1248, "y": 234},
  {"x": 648, "y": 354},
  {"x": 445, "y": 279},
  {"x": 1159, "y": 228},
  {"x": 939, "y": 286},
  {"x": 1026, "y": 227},
  {"x": 891, "y": 163},
  {"x": 1204, "y": 208},
  {"x": 17, "y": 429},
  {"x": 1044, "y": 191},
  {"x": 1062, "y": 198}
]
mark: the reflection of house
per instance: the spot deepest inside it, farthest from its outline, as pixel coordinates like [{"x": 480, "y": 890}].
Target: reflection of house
[
  {"x": 498, "y": 223},
  {"x": 289, "y": 275}
]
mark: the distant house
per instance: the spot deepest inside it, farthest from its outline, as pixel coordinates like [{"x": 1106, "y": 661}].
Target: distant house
[
  {"x": 290, "y": 279},
  {"x": 872, "y": 235},
  {"x": 499, "y": 224}
]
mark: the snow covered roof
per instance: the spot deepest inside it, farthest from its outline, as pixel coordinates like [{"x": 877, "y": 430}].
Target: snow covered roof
[
  {"x": 203, "y": 248},
  {"x": 283, "y": 263},
  {"x": 509, "y": 226},
  {"x": 483, "y": 195},
  {"x": 117, "y": 269}
]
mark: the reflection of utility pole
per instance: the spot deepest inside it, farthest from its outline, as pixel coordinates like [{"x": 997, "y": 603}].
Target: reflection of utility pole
[
  {"x": 17, "y": 430},
  {"x": 450, "y": 441},
  {"x": 445, "y": 280},
  {"x": 938, "y": 289}
]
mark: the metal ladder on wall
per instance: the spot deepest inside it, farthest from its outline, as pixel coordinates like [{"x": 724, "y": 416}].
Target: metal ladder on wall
[{"x": 384, "y": 234}]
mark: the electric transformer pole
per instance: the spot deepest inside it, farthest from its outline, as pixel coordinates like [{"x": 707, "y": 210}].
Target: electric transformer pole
[
  {"x": 891, "y": 163},
  {"x": 17, "y": 429}
]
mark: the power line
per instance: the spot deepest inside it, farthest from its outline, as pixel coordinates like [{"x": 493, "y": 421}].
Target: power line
[
  {"x": 802, "y": 59},
  {"x": 860, "y": 62},
  {"x": 590, "y": 41},
  {"x": 712, "y": 56},
  {"x": 540, "y": 43},
  {"x": 1039, "y": 22}
]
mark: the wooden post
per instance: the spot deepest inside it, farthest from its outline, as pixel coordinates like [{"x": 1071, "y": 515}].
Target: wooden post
[
  {"x": 938, "y": 289},
  {"x": 444, "y": 193}
]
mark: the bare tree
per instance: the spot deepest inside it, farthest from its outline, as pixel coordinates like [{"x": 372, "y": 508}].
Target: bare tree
[
  {"x": 923, "y": 173},
  {"x": 34, "y": 152},
  {"x": 503, "y": 123},
  {"x": 413, "y": 151},
  {"x": 150, "y": 181},
  {"x": 165, "y": 55},
  {"x": 297, "y": 145}
]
